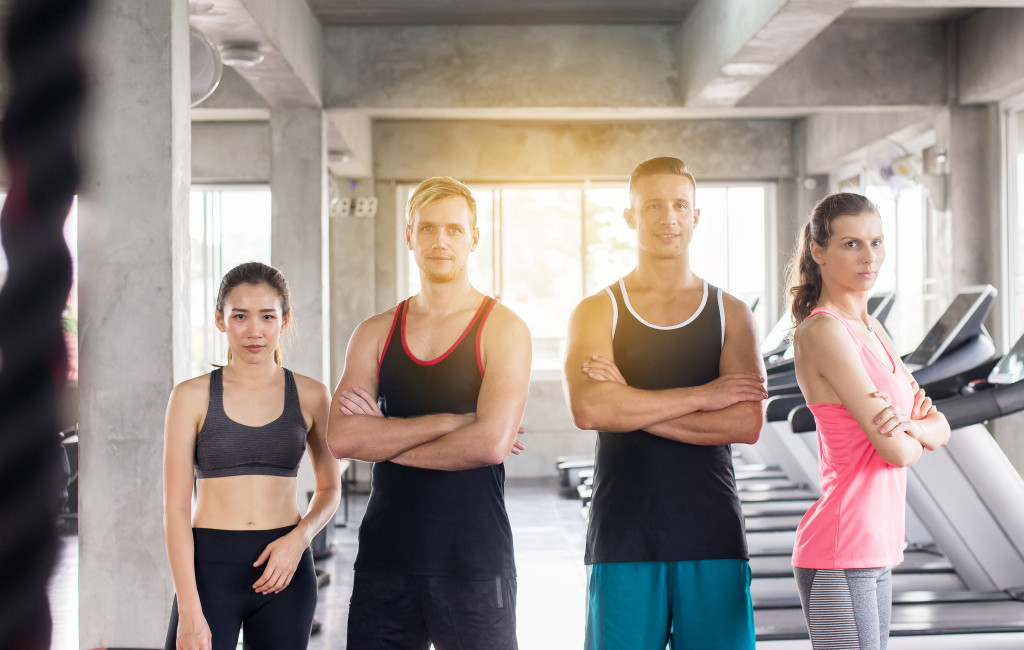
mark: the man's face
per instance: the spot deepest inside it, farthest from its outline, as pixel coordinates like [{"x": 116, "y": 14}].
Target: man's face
[
  {"x": 662, "y": 214},
  {"x": 441, "y": 238}
]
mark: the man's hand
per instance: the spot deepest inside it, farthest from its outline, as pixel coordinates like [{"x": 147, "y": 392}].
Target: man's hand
[
  {"x": 731, "y": 389},
  {"x": 600, "y": 369},
  {"x": 358, "y": 402}
]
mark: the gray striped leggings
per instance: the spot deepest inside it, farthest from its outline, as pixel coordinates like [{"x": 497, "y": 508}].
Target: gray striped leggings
[{"x": 846, "y": 609}]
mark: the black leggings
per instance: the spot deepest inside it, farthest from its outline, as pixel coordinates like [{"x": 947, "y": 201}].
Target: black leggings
[{"x": 224, "y": 577}]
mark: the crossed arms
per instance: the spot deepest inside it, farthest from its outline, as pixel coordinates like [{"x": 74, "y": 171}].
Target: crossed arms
[
  {"x": 444, "y": 441},
  {"x": 726, "y": 410}
]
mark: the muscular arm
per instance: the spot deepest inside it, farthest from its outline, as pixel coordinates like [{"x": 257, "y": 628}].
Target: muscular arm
[
  {"x": 506, "y": 355},
  {"x": 825, "y": 352},
  {"x": 742, "y": 421},
  {"x": 596, "y": 403},
  {"x": 366, "y": 437}
]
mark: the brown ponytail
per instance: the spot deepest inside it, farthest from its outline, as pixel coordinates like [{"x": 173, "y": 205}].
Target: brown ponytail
[{"x": 804, "y": 276}]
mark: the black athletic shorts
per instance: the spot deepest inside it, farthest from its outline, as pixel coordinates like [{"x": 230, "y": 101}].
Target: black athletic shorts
[
  {"x": 411, "y": 612},
  {"x": 225, "y": 575}
]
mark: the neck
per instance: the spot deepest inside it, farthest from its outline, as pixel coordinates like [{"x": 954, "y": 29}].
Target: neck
[
  {"x": 664, "y": 275},
  {"x": 852, "y": 304},
  {"x": 445, "y": 297},
  {"x": 252, "y": 372}
]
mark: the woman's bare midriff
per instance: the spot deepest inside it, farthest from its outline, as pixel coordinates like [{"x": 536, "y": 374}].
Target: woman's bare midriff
[{"x": 251, "y": 502}]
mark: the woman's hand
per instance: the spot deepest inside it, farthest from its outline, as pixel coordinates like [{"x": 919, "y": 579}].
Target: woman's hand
[
  {"x": 193, "y": 632},
  {"x": 281, "y": 557},
  {"x": 892, "y": 418},
  {"x": 518, "y": 446},
  {"x": 923, "y": 406}
]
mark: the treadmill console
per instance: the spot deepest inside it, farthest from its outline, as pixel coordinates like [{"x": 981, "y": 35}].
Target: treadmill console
[
  {"x": 961, "y": 320},
  {"x": 777, "y": 340},
  {"x": 1010, "y": 368}
]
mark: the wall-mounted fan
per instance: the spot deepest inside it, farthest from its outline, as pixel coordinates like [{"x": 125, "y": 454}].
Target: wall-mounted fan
[
  {"x": 205, "y": 66},
  {"x": 890, "y": 165}
]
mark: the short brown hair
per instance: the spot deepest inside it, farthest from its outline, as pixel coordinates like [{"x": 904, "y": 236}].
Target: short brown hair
[
  {"x": 435, "y": 189},
  {"x": 661, "y": 165}
]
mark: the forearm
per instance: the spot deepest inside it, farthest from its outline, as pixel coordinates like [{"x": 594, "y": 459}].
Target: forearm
[
  {"x": 181, "y": 557},
  {"x": 476, "y": 445},
  {"x": 373, "y": 439},
  {"x": 612, "y": 406},
  {"x": 933, "y": 431},
  {"x": 740, "y": 422},
  {"x": 322, "y": 507}
]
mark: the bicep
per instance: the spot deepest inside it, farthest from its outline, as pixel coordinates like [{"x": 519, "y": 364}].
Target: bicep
[
  {"x": 506, "y": 380},
  {"x": 590, "y": 333},
  {"x": 180, "y": 431},
  {"x": 740, "y": 351}
]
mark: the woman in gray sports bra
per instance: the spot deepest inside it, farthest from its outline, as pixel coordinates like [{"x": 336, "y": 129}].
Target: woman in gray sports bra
[{"x": 241, "y": 560}]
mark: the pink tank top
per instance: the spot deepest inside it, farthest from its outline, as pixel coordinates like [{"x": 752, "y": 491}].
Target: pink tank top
[{"x": 860, "y": 520}]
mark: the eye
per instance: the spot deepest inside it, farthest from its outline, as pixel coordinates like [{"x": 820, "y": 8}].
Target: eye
[
  {"x": 239, "y": 316},
  {"x": 269, "y": 316},
  {"x": 877, "y": 242},
  {"x": 851, "y": 244}
]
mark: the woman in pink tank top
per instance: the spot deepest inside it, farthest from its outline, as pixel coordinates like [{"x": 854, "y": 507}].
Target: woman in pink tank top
[{"x": 872, "y": 422}]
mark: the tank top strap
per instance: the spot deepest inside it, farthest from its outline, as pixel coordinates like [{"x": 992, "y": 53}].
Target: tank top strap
[
  {"x": 477, "y": 329},
  {"x": 291, "y": 396},
  {"x": 216, "y": 391},
  {"x": 826, "y": 310},
  {"x": 396, "y": 324}
]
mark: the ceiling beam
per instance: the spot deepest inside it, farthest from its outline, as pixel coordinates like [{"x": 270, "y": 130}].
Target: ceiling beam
[
  {"x": 730, "y": 46},
  {"x": 285, "y": 31}
]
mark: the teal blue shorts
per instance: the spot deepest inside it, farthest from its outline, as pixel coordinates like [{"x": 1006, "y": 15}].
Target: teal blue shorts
[{"x": 695, "y": 605}]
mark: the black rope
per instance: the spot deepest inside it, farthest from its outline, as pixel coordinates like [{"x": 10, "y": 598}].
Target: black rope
[{"x": 43, "y": 39}]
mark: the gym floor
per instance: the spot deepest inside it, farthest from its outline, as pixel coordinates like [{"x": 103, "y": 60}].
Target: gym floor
[{"x": 549, "y": 534}]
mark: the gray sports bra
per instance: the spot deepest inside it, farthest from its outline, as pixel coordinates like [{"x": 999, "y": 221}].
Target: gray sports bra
[{"x": 226, "y": 448}]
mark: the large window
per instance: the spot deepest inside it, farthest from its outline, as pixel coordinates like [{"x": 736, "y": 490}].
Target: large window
[
  {"x": 227, "y": 225},
  {"x": 544, "y": 247},
  {"x": 1013, "y": 254},
  {"x": 904, "y": 219}
]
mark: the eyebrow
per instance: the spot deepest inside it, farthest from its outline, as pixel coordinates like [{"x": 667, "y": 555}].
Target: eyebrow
[{"x": 246, "y": 311}]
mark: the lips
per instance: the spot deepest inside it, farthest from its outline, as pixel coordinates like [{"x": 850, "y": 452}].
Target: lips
[{"x": 254, "y": 348}]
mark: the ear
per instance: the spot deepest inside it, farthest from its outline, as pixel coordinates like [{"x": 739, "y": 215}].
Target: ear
[
  {"x": 696, "y": 216},
  {"x": 630, "y": 218},
  {"x": 286, "y": 320},
  {"x": 476, "y": 239},
  {"x": 817, "y": 253},
  {"x": 218, "y": 318},
  {"x": 408, "y": 236}
]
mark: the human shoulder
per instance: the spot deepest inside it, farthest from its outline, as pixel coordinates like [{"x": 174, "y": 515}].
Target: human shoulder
[
  {"x": 503, "y": 319},
  {"x": 597, "y": 306},
  {"x": 734, "y": 306},
  {"x": 308, "y": 387},
  {"x": 195, "y": 391},
  {"x": 822, "y": 333}
]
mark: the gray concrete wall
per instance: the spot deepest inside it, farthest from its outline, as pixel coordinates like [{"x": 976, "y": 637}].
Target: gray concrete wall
[
  {"x": 133, "y": 313},
  {"x": 230, "y": 152},
  {"x": 836, "y": 139},
  {"x": 501, "y": 66},
  {"x": 991, "y": 55},
  {"x": 855, "y": 63}
]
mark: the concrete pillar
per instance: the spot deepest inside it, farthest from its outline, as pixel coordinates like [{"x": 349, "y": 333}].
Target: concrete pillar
[
  {"x": 299, "y": 232},
  {"x": 133, "y": 322},
  {"x": 970, "y": 135},
  {"x": 352, "y": 274}
]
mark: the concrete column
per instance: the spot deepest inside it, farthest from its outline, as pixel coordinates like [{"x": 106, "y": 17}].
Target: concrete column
[
  {"x": 299, "y": 232},
  {"x": 133, "y": 323},
  {"x": 970, "y": 134},
  {"x": 352, "y": 275}
]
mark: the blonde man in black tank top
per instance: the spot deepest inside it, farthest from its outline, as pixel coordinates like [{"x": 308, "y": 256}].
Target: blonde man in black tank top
[
  {"x": 667, "y": 369},
  {"x": 433, "y": 393}
]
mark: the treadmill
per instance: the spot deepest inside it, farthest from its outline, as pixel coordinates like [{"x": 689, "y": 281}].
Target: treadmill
[
  {"x": 969, "y": 496},
  {"x": 779, "y": 364}
]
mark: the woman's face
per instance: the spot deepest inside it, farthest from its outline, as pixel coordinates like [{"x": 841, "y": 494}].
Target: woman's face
[
  {"x": 854, "y": 253},
  {"x": 253, "y": 321}
]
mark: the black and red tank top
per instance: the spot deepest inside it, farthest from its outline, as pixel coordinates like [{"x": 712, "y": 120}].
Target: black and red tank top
[
  {"x": 434, "y": 522},
  {"x": 659, "y": 500}
]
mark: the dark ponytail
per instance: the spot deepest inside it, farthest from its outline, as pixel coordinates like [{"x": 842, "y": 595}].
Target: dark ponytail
[{"x": 804, "y": 276}]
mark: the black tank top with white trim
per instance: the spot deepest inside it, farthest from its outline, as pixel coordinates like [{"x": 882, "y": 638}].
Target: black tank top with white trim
[
  {"x": 227, "y": 448},
  {"x": 434, "y": 522},
  {"x": 656, "y": 499}
]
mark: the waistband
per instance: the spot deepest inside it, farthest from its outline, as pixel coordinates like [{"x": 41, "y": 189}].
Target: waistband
[{"x": 234, "y": 546}]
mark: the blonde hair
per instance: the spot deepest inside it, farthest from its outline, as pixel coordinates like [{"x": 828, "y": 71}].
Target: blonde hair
[{"x": 435, "y": 189}]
